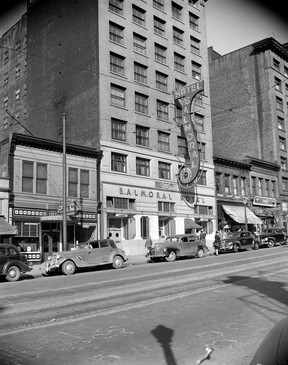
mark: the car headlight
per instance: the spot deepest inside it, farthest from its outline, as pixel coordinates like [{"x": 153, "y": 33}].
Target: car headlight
[
  {"x": 165, "y": 249},
  {"x": 58, "y": 257},
  {"x": 49, "y": 258}
]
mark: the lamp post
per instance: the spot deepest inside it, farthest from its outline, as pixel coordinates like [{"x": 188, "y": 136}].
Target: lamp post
[{"x": 245, "y": 201}]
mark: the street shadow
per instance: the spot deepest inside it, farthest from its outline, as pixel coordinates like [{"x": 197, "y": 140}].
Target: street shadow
[
  {"x": 164, "y": 336},
  {"x": 271, "y": 289}
]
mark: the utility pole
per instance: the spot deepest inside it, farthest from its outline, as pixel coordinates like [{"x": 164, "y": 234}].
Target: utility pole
[{"x": 64, "y": 246}]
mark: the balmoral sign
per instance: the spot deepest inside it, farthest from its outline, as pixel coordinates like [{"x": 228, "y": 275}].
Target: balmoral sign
[{"x": 185, "y": 96}]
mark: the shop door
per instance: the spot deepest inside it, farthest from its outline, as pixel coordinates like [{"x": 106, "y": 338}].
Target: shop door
[
  {"x": 115, "y": 231},
  {"x": 50, "y": 243}
]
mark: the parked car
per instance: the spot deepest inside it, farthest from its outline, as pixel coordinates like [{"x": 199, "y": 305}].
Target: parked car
[
  {"x": 237, "y": 241},
  {"x": 176, "y": 246},
  {"x": 272, "y": 236},
  {"x": 12, "y": 262},
  {"x": 87, "y": 254}
]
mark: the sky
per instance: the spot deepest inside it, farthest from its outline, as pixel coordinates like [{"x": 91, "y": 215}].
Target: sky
[{"x": 231, "y": 24}]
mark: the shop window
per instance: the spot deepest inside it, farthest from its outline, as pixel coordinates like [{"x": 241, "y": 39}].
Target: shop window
[{"x": 144, "y": 225}]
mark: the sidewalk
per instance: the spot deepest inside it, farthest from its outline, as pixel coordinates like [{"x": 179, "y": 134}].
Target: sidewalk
[{"x": 38, "y": 269}]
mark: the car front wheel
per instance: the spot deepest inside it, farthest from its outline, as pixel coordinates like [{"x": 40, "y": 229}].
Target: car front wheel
[
  {"x": 117, "y": 262},
  {"x": 236, "y": 248},
  {"x": 270, "y": 243},
  {"x": 200, "y": 253},
  {"x": 68, "y": 268},
  {"x": 13, "y": 273},
  {"x": 171, "y": 257}
]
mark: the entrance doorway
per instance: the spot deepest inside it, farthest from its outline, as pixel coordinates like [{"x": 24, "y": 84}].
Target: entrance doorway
[{"x": 50, "y": 241}]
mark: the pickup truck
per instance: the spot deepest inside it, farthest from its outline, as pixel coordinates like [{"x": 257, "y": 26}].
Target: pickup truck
[{"x": 272, "y": 236}]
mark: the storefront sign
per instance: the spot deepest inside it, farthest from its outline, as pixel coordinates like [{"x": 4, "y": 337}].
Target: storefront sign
[
  {"x": 72, "y": 207},
  {"x": 29, "y": 212},
  {"x": 267, "y": 202},
  {"x": 145, "y": 193}
]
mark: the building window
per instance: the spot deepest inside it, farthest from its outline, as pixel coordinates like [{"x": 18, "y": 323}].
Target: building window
[
  {"x": 276, "y": 64},
  {"x": 203, "y": 178},
  {"x": 279, "y": 103},
  {"x": 117, "y": 96},
  {"x": 273, "y": 189},
  {"x": 120, "y": 203},
  {"x": 162, "y": 110},
  {"x": 176, "y": 11},
  {"x": 142, "y": 166},
  {"x": 117, "y": 64},
  {"x": 72, "y": 182},
  {"x": 18, "y": 46},
  {"x": 178, "y": 36},
  {"x": 159, "y": 26},
  {"x": 142, "y": 136},
  {"x": 138, "y": 15},
  {"x": 27, "y": 176},
  {"x": 6, "y": 56},
  {"x": 118, "y": 129},
  {"x": 84, "y": 183},
  {"x": 17, "y": 70},
  {"x": 116, "y": 33},
  {"x": 266, "y": 187},
  {"x": 6, "y": 78},
  {"x": 253, "y": 186},
  {"x": 193, "y": 21},
  {"x": 166, "y": 207},
  {"x": 260, "y": 187},
  {"x": 116, "y": 6},
  {"x": 141, "y": 103},
  {"x": 204, "y": 209},
  {"x": 5, "y": 102},
  {"x": 179, "y": 84},
  {"x": 17, "y": 94},
  {"x": 160, "y": 53},
  {"x": 179, "y": 62},
  {"x": 227, "y": 184},
  {"x": 41, "y": 178},
  {"x": 199, "y": 122},
  {"x": 194, "y": 3},
  {"x": 202, "y": 150},
  {"x": 118, "y": 162},
  {"x": 140, "y": 73},
  {"x": 282, "y": 144},
  {"x": 283, "y": 162},
  {"x": 194, "y": 45},
  {"x": 161, "y": 81},
  {"x": 284, "y": 183},
  {"x": 281, "y": 124},
  {"x": 235, "y": 185},
  {"x": 164, "y": 170},
  {"x": 159, "y": 4},
  {"x": 218, "y": 182},
  {"x": 243, "y": 186},
  {"x": 196, "y": 70},
  {"x": 139, "y": 43},
  {"x": 278, "y": 84},
  {"x": 182, "y": 146},
  {"x": 163, "y": 141}
]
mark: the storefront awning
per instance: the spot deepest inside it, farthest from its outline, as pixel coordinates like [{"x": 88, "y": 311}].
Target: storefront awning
[
  {"x": 238, "y": 215},
  {"x": 6, "y": 229},
  {"x": 189, "y": 223}
]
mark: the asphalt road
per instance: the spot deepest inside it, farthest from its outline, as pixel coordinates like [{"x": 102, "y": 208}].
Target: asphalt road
[{"x": 164, "y": 313}]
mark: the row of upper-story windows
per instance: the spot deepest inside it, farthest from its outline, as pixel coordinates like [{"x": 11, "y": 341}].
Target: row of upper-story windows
[
  {"x": 238, "y": 185},
  {"x": 17, "y": 72},
  {"x": 9, "y": 52},
  {"x": 35, "y": 180},
  {"x": 116, "y": 34},
  {"x": 139, "y": 14},
  {"x": 17, "y": 97},
  {"x": 141, "y": 104},
  {"x": 142, "y": 137}
]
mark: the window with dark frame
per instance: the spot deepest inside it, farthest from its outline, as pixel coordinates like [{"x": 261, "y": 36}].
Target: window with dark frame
[
  {"x": 139, "y": 43},
  {"x": 142, "y": 136},
  {"x": 176, "y": 11},
  {"x": 116, "y": 6},
  {"x": 163, "y": 141},
  {"x": 27, "y": 176},
  {"x": 140, "y": 73},
  {"x": 164, "y": 170},
  {"x": 179, "y": 62},
  {"x": 117, "y": 95},
  {"x": 141, "y": 103},
  {"x": 118, "y": 129},
  {"x": 161, "y": 81},
  {"x": 117, "y": 63},
  {"x": 72, "y": 182},
  {"x": 116, "y": 33},
  {"x": 159, "y": 26},
  {"x": 159, "y": 4},
  {"x": 84, "y": 183},
  {"x": 41, "y": 178},
  {"x": 178, "y": 36},
  {"x": 118, "y": 162},
  {"x": 160, "y": 53},
  {"x": 193, "y": 21},
  {"x": 162, "y": 110},
  {"x": 142, "y": 166},
  {"x": 138, "y": 15}
]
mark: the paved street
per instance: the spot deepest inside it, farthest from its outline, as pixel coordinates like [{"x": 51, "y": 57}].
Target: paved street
[{"x": 164, "y": 313}]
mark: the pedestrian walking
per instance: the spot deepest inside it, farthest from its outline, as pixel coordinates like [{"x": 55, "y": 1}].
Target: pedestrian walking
[
  {"x": 148, "y": 245},
  {"x": 216, "y": 243},
  {"x": 203, "y": 237}
]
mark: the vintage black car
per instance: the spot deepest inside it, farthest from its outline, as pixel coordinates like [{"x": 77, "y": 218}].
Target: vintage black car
[
  {"x": 272, "y": 236},
  {"x": 179, "y": 245},
  {"x": 237, "y": 241},
  {"x": 87, "y": 254},
  {"x": 12, "y": 262}
]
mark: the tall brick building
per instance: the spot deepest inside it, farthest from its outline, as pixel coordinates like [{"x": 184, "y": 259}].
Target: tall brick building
[
  {"x": 113, "y": 67},
  {"x": 249, "y": 95}
]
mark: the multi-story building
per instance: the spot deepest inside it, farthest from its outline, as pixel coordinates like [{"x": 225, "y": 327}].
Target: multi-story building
[
  {"x": 249, "y": 96},
  {"x": 12, "y": 99},
  {"x": 113, "y": 67}
]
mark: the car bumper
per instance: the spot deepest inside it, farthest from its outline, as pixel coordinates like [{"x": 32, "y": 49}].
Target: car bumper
[
  {"x": 50, "y": 267},
  {"x": 157, "y": 254}
]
